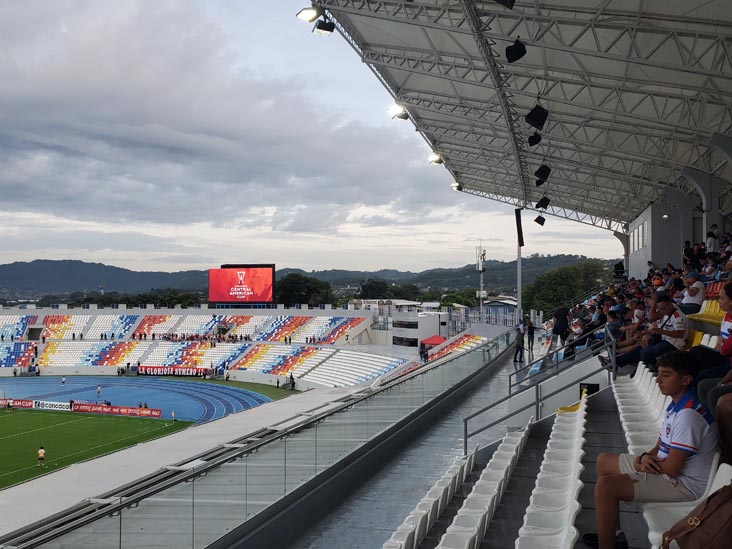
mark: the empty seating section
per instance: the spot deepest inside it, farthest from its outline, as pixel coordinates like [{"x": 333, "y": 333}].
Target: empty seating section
[
  {"x": 251, "y": 326},
  {"x": 64, "y": 326},
  {"x": 15, "y": 325},
  {"x": 118, "y": 326},
  {"x": 553, "y": 506},
  {"x": 281, "y": 327},
  {"x": 92, "y": 353},
  {"x": 194, "y": 354},
  {"x": 642, "y": 409},
  {"x": 156, "y": 324},
  {"x": 199, "y": 324},
  {"x": 419, "y": 522},
  {"x": 347, "y": 368},
  {"x": 281, "y": 359},
  {"x": 342, "y": 329},
  {"x": 236, "y": 322},
  {"x": 320, "y": 328},
  {"x": 462, "y": 343},
  {"x": 16, "y": 354}
]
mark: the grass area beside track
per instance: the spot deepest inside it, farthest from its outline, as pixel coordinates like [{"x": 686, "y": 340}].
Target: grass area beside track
[
  {"x": 67, "y": 438},
  {"x": 267, "y": 390}
]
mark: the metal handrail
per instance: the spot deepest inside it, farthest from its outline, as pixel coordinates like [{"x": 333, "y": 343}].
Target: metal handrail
[
  {"x": 535, "y": 404},
  {"x": 555, "y": 352},
  {"x": 610, "y": 344}
]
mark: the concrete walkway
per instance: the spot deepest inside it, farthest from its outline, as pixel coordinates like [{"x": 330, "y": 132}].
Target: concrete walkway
[{"x": 36, "y": 499}]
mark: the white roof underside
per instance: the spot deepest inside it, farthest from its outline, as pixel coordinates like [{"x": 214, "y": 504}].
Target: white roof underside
[{"x": 634, "y": 88}]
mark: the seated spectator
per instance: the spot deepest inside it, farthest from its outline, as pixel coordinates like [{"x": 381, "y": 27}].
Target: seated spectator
[
  {"x": 715, "y": 363},
  {"x": 695, "y": 294},
  {"x": 724, "y": 425},
  {"x": 672, "y": 330},
  {"x": 675, "y": 469},
  {"x": 709, "y": 270}
]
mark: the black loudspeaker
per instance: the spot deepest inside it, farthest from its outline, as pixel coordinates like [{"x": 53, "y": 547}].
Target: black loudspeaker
[
  {"x": 543, "y": 172},
  {"x": 519, "y": 229},
  {"x": 543, "y": 203},
  {"x": 540, "y": 220},
  {"x": 506, "y": 3},
  {"x": 515, "y": 52},
  {"x": 537, "y": 116},
  {"x": 534, "y": 139}
]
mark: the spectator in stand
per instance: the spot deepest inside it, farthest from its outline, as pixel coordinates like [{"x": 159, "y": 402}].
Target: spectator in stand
[
  {"x": 672, "y": 329},
  {"x": 675, "y": 469},
  {"x": 561, "y": 323},
  {"x": 695, "y": 294},
  {"x": 715, "y": 363},
  {"x": 519, "y": 350},
  {"x": 712, "y": 243},
  {"x": 530, "y": 335}
]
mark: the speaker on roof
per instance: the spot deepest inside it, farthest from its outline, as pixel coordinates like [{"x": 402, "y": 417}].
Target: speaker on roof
[
  {"x": 534, "y": 139},
  {"x": 543, "y": 172},
  {"x": 537, "y": 117},
  {"x": 543, "y": 203},
  {"x": 519, "y": 229},
  {"x": 540, "y": 219},
  {"x": 506, "y": 3},
  {"x": 515, "y": 51}
]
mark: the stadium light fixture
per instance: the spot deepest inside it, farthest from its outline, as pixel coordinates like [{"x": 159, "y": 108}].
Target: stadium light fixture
[
  {"x": 537, "y": 117},
  {"x": 398, "y": 111},
  {"x": 310, "y": 14},
  {"x": 543, "y": 203},
  {"x": 506, "y": 3},
  {"x": 456, "y": 186},
  {"x": 434, "y": 158},
  {"x": 516, "y": 51},
  {"x": 323, "y": 27},
  {"x": 664, "y": 216},
  {"x": 540, "y": 219},
  {"x": 543, "y": 172},
  {"x": 534, "y": 139}
]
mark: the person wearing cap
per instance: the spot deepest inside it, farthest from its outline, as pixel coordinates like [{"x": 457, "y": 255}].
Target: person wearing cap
[{"x": 694, "y": 294}]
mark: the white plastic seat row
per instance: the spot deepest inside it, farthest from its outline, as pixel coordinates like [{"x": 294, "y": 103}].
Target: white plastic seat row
[
  {"x": 662, "y": 516},
  {"x": 415, "y": 527},
  {"x": 469, "y": 526},
  {"x": 553, "y": 506}
]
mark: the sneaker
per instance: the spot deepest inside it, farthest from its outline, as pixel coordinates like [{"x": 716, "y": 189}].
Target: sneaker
[{"x": 621, "y": 541}]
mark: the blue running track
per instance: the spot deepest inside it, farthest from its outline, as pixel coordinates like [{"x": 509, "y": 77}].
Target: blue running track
[{"x": 191, "y": 400}]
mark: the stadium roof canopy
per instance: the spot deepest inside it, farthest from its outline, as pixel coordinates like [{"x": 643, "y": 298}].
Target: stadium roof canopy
[{"x": 635, "y": 90}]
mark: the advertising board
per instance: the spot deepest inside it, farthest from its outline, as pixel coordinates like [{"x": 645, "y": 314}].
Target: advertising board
[
  {"x": 117, "y": 410},
  {"x": 171, "y": 371}
]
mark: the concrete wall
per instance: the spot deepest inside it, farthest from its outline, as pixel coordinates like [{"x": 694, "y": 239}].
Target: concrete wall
[{"x": 663, "y": 241}]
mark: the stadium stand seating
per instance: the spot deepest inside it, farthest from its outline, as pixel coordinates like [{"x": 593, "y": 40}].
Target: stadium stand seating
[
  {"x": 194, "y": 354},
  {"x": 250, "y": 326},
  {"x": 281, "y": 327},
  {"x": 92, "y": 353},
  {"x": 15, "y": 325},
  {"x": 16, "y": 354},
  {"x": 281, "y": 359},
  {"x": 64, "y": 326},
  {"x": 199, "y": 324},
  {"x": 156, "y": 324},
  {"x": 346, "y": 367},
  {"x": 461, "y": 343},
  {"x": 119, "y": 325}
]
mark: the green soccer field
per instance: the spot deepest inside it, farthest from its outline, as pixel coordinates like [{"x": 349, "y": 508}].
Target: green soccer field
[{"x": 67, "y": 439}]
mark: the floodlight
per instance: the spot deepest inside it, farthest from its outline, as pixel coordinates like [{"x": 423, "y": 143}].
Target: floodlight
[
  {"x": 434, "y": 158},
  {"x": 543, "y": 172},
  {"x": 539, "y": 182},
  {"x": 537, "y": 117},
  {"x": 543, "y": 203},
  {"x": 323, "y": 27},
  {"x": 506, "y": 3},
  {"x": 397, "y": 111},
  {"x": 456, "y": 186},
  {"x": 515, "y": 52},
  {"x": 534, "y": 139},
  {"x": 664, "y": 216},
  {"x": 540, "y": 219},
  {"x": 310, "y": 14}
]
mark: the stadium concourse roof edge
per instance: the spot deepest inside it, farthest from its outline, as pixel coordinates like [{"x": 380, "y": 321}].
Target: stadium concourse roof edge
[{"x": 31, "y": 501}]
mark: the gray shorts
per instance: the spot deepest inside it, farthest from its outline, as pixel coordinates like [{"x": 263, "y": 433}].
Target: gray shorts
[{"x": 650, "y": 487}]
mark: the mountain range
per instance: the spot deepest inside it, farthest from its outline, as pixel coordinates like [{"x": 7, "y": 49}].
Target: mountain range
[{"x": 30, "y": 280}]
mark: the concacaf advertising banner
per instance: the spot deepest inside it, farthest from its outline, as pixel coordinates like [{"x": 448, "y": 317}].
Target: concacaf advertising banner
[
  {"x": 241, "y": 284},
  {"x": 48, "y": 405},
  {"x": 170, "y": 371},
  {"x": 117, "y": 410}
]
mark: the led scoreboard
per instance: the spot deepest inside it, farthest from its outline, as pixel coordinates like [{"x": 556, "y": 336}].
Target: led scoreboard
[{"x": 241, "y": 284}]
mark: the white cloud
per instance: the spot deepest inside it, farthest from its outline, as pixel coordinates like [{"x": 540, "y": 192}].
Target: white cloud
[{"x": 175, "y": 134}]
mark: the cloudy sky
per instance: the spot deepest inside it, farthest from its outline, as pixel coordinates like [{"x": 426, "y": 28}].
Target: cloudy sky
[{"x": 181, "y": 134}]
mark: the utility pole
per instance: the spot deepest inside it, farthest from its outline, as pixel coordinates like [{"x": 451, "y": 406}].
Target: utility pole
[{"x": 480, "y": 267}]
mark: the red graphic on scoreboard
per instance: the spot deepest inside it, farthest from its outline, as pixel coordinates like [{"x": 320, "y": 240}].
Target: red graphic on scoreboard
[{"x": 242, "y": 284}]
